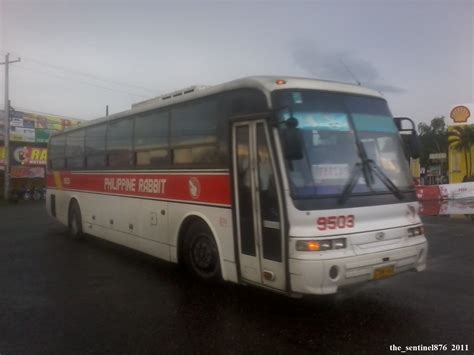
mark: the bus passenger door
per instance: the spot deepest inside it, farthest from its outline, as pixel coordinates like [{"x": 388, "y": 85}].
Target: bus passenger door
[{"x": 258, "y": 204}]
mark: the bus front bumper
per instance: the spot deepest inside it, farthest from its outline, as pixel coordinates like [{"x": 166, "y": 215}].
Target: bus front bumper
[{"x": 320, "y": 276}]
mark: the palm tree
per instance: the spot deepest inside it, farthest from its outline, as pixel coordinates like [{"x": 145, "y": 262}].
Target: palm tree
[
  {"x": 461, "y": 138},
  {"x": 433, "y": 139}
]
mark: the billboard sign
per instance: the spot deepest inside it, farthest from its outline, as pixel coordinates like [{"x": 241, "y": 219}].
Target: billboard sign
[
  {"x": 42, "y": 135},
  {"x": 29, "y": 155},
  {"x": 21, "y": 134},
  {"x": 31, "y": 127},
  {"x": 16, "y": 122}
]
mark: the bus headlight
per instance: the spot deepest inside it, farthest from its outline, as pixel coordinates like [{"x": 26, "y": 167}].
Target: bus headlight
[
  {"x": 320, "y": 245},
  {"x": 415, "y": 231}
]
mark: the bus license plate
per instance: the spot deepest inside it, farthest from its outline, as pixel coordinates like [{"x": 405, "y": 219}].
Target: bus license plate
[{"x": 384, "y": 272}]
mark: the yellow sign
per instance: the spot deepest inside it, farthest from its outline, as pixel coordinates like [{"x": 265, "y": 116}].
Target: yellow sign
[
  {"x": 415, "y": 168},
  {"x": 460, "y": 114},
  {"x": 39, "y": 154}
]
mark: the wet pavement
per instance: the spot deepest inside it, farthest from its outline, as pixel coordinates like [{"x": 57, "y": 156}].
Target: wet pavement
[
  {"x": 455, "y": 208},
  {"x": 60, "y": 296}
]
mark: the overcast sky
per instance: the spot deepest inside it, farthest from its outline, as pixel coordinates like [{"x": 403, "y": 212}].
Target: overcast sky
[{"x": 78, "y": 56}]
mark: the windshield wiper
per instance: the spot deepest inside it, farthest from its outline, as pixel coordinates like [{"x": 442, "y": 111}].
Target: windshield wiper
[
  {"x": 359, "y": 168},
  {"x": 368, "y": 168},
  {"x": 386, "y": 180}
]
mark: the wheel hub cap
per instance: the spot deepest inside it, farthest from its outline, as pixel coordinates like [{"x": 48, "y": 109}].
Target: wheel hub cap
[{"x": 202, "y": 253}]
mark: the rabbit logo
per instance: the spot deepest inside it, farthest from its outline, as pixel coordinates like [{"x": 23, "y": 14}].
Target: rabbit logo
[{"x": 194, "y": 188}]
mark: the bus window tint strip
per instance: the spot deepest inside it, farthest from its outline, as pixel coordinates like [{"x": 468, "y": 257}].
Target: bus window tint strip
[{"x": 191, "y": 134}]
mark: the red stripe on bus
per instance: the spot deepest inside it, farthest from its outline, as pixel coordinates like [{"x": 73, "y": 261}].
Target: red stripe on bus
[{"x": 199, "y": 188}]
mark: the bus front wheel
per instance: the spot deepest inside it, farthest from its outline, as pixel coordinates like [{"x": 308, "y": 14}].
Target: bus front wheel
[
  {"x": 75, "y": 221},
  {"x": 201, "y": 254}
]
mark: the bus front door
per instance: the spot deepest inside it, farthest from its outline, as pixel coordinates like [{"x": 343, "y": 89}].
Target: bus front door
[{"x": 258, "y": 203}]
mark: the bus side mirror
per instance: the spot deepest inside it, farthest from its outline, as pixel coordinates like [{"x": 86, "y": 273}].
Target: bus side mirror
[
  {"x": 412, "y": 141},
  {"x": 292, "y": 140},
  {"x": 398, "y": 122}
]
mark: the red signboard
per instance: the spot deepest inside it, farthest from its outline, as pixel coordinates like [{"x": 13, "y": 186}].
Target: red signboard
[
  {"x": 27, "y": 172},
  {"x": 428, "y": 192}
]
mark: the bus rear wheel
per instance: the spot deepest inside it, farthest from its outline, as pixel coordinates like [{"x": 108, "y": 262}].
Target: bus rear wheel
[
  {"x": 201, "y": 254},
  {"x": 75, "y": 221}
]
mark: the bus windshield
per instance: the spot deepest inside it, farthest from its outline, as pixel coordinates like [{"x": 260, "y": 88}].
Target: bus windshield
[{"x": 330, "y": 124}]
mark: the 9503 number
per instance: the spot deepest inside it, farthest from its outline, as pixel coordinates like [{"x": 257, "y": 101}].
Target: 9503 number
[{"x": 335, "y": 222}]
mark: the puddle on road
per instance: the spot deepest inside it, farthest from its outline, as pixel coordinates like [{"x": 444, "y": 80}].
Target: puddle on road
[{"x": 454, "y": 208}]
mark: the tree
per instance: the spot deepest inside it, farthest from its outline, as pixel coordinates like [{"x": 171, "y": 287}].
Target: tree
[
  {"x": 462, "y": 139},
  {"x": 433, "y": 139},
  {"x": 437, "y": 126}
]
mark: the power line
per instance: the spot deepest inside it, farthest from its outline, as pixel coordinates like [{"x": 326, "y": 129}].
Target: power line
[
  {"x": 93, "y": 76},
  {"x": 49, "y": 74},
  {"x": 79, "y": 81}
]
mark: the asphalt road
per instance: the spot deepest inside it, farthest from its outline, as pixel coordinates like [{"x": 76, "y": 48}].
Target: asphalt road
[{"x": 60, "y": 296}]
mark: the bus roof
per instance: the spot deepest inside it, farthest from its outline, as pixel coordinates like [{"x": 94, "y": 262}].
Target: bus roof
[{"x": 266, "y": 84}]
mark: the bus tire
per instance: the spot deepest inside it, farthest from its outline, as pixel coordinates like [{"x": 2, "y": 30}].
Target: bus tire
[
  {"x": 200, "y": 253},
  {"x": 75, "y": 221}
]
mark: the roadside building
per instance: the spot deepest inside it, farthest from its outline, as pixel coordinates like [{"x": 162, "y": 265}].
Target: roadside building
[
  {"x": 29, "y": 135},
  {"x": 460, "y": 160}
]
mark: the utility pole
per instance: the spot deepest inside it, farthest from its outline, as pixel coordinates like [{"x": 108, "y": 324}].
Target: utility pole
[{"x": 6, "y": 127}]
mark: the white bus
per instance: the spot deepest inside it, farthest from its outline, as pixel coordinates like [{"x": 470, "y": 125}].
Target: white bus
[{"x": 296, "y": 185}]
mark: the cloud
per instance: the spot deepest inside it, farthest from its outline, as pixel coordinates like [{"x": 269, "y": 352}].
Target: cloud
[{"x": 339, "y": 65}]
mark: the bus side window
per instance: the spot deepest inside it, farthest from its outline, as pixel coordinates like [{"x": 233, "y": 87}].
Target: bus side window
[
  {"x": 194, "y": 133},
  {"x": 75, "y": 149},
  {"x": 151, "y": 139},
  {"x": 119, "y": 143},
  {"x": 57, "y": 147},
  {"x": 95, "y": 147}
]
